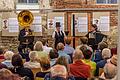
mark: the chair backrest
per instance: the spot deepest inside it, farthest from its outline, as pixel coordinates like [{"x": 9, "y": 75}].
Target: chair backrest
[
  {"x": 35, "y": 70},
  {"x": 101, "y": 70},
  {"x": 38, "y": 78}
]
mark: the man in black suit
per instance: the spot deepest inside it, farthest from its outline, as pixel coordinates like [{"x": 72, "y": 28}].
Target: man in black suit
[
  {"x": 94, "y": 37},
  {"x": 26, "y": 39}
]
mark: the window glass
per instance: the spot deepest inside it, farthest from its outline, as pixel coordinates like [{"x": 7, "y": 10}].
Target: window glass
[
  {"x": 106, "y": 1},
  {"x": 27, "y": 1}
]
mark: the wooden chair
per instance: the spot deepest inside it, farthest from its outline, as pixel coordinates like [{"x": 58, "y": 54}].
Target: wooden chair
[
  {"x": 101, "y": 70},
  {"x": 35, "y": 70},
  {"x": 37, "y": 78}
]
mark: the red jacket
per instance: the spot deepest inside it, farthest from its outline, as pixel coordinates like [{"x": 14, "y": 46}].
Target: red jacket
[{"x": 79, "y": 69}]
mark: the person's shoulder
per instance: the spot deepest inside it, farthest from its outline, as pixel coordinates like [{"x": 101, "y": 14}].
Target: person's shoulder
[
  {"x": 93, "y": 63},
  {"x": 87, "y": 66}
]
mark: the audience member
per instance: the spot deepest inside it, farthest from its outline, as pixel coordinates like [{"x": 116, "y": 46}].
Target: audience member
[
  {"x": 33, "y": 60},
  {"x": 45, "y": 47},
  {"x": 45, "y": 67},
  {"x": 62, "y": 61},
  {"x": 110, "y": 72},
  {"x": 78, "y": 68},
  {"x": 106, "y": 54},
  {"x": 53, "y": 56},
  {"x": 8, "y": 57},
  {"x": 98, "y": 53},
  {"x": 39, "y": 48},
  {"x": 58, "y": 72},
  {"x": 113, "y": 60},
  {"x": 68, "y": 49},
  {"x": 87, "y": 60},
  {"x": 6, "y": 74},
  {"x": 61, "y": 52},
  {"x": 84, "y": 42},
  {"x": 20, "y": 69}
]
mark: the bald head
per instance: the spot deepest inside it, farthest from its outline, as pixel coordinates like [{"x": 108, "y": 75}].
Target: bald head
[
  {"x": 77, "y": 54},
  {"x": 110, "y": 71}
]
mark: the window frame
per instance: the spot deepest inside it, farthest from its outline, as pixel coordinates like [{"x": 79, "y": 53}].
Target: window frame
[
  {"x": 107, "y": 3},
  {"x": 28, "y": 2}
]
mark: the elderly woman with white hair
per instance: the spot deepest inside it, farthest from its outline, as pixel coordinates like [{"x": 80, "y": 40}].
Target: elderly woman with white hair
[
  {"x": 58, "y": 72},
  {"x": 39, "y": 48},
  {"x": 106, "y": 54},
  {"x": 8, "y": 57},
  {"x": 33, "y": 60}
]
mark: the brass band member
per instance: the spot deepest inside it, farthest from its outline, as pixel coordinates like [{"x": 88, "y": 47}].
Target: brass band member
[{"x": 26, "y": 39}]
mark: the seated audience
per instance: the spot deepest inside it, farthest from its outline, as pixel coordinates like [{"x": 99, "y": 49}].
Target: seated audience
[
  {"x": 45, "y": 67},
  {"x": 110, "y": 72},
  {"x": 62, "y": 61},
  {"x": 45, "y": 47},
  {"x": 20, "y": 69},
  {"x": 58, "y": 72},
  {"x": 61, "y": 52},
  {"x": 6, "y": 74},
  {"x": 53, "y": 57},
  {"x": 113, "y": 60},
  {"x": 8, "y": 57},
  {"x": 87, "y": 60},
  {"x": 84, "y": 42},
  {"x": 79, "y": 69},
  {"x": 106, "y": 54},
  {"x": 33, "y": 60},
  {"x": 98, "y": 53},
  {"x": 2, "y": 66},
  {"x": 39, "y": 48},
  {"x": 68, "y": 49}
]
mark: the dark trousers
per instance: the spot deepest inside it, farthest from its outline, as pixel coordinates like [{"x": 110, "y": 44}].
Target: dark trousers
[{"x": 23, "y": 46}]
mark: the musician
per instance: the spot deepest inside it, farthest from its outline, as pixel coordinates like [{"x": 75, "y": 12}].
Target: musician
[
  {"x": 26, "y": 39},
  {"x": 94, "y": 37},
  {"x": 58, "y": 35}
]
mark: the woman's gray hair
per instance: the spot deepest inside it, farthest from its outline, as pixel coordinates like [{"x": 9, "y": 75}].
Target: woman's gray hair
[
  {"x": 8, "y": 55},
  {"x": 38, "y": 46},
  {"x": 110, "y": 71},
  {"x": 33, "y": 55}
]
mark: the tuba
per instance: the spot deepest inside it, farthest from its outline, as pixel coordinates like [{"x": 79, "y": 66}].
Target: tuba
[{"x": 25, "y": 18}]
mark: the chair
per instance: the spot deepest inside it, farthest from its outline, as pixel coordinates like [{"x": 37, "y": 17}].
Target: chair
[
  {"x": 35, "y": 70},
  {"x": 37, "y": 78},
  {"x": 101, "y": 70}
]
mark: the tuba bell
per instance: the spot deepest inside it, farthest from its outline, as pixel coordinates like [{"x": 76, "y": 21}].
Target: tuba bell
[{"x": 25, "y": 18}]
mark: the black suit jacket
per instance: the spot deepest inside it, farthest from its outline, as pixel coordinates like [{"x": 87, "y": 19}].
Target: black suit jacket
[{"x": 22, "y": 38}]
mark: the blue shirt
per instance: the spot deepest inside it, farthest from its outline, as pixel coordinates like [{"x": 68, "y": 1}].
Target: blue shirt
[
  {"x": 52, "y": 62},
  {"x": 62, "y": 53},
  {"x": 68, "y": 49},
  {"x": 98, "y": 56}
]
